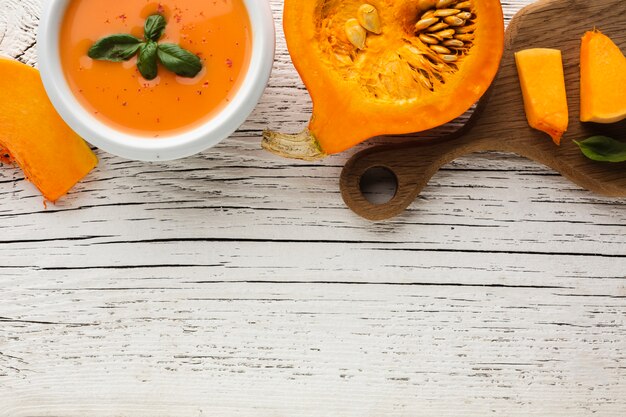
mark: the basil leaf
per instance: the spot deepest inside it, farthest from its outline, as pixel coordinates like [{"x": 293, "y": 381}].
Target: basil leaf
[
  {"x": 179, "y": 60},
  {"x": 147, "y": 62},
  {"x": 115, "y": 48},
  {"x": 154, "y": 27},
  {"x": 603, "y": 149}
]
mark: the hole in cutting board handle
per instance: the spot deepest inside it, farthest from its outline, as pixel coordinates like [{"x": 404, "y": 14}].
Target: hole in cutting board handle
[{"x": 379, "y": 185}]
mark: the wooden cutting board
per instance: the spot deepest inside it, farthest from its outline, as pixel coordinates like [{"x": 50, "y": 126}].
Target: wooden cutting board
[{"x": 499, "y": 121}]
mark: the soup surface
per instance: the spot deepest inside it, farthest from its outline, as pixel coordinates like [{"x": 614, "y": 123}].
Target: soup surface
[{"x": 218, "y": 31}]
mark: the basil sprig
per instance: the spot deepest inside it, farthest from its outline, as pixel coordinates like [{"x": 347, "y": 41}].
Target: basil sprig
[
  {"x": 122, "y": 47},
  {"x": 603, "y": 149}
]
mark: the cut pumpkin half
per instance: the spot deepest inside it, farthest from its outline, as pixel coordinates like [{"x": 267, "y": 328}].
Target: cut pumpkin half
[{"x": 383, "y": 67}]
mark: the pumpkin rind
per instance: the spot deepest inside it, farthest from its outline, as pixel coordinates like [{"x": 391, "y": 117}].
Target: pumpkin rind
[{"x": 361, "y": 94}]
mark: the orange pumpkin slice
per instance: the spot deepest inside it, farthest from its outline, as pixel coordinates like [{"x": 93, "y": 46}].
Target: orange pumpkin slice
[
  {"x": 543, "y": 86},
  {"x": 33, "y": 135},
  {"x": 602, "y": 80},
  {"x": 382, "y": 67}
]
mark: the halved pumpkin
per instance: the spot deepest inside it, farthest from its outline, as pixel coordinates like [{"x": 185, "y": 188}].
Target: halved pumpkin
[
  {"x": 410, "y": 66},
  {"x": 602, "y": 80}
]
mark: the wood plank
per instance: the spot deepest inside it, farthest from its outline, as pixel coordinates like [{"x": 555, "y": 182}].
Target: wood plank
[
  {"x": 482, "y": 210},
  {"x": 299, "y": 349}
]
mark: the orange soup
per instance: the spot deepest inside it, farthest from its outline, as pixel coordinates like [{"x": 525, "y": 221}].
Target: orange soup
[{"x": 217, "y": 31}]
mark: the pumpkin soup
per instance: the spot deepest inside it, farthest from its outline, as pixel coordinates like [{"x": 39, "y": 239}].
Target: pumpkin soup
[{"x": 161, "y": 101}]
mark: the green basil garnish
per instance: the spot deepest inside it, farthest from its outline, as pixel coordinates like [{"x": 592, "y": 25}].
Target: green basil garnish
[
  {"x": 179, "y": 60},
  {"x": 116, "y": 48},
  {"x": 603, "y": 149},
  {"x": 147, "y": 62},
  {"x": 154, "y": 27}
]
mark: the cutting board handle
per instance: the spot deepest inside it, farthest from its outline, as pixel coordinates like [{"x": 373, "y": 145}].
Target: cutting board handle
[{"x": 413, "y": 164}]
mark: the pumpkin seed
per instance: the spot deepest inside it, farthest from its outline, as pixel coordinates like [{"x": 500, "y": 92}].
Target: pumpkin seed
[
  {"x": 425, "y": 23},
  {"x": 426, "y": 4},
  {"x": 408, "y": 49},
  {"x": 439, "y": 26},
  {"x": 415, "y": 58},
  {"x": 454, "y": 21},
  {"x": 465, "y": 37},
  {"x": 446, "y": 12},
  {"x": 368, "y": 17},
  {"x": 446, "y": 33},
  {"x": 442, "y": 4},
  {"x": 427, "y": 62},
  {"x": 356, "y": 33},
  {"x": 429, "y": 13},
  {"x": 344, "y": 59},
  {"x": 454, "y": 43},
  {"x": 412, "y": 55},
  {"x": 440, "y": 49},
  {"x": 428, "y": 39},
  {"x": 446, "y": 38},
  {"x": 466, "y": 29},
  {"x": 424, "y": 80}
]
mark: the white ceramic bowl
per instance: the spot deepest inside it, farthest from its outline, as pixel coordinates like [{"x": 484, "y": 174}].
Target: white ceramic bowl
[{"x": 167, "y": 148}]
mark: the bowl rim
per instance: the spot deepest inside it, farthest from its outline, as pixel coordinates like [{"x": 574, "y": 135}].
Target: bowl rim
[{"x": 181, "y": 145}]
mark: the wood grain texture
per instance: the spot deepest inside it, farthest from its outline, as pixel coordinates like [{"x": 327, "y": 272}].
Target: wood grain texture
[
  {"x": 499, "y": 122},
  {"x": 234, "y": 283}
]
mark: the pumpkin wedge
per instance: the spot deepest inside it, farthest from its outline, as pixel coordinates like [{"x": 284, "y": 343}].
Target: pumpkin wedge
[
  {"x": 381, "y": 67},
  {"x": 602, "y": 80},
  {"x": 34, "y": 136},
  {"x": 543, "y": 86}
]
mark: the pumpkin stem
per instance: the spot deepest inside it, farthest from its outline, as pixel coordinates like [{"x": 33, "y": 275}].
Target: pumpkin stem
[{"x": 302, "y": 146}]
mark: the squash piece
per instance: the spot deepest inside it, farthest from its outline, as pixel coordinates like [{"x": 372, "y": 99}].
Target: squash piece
[
  {"x": 33, "y": 135},
  {"x": 382, "y": 67},
  {"x": 602, "y": 80},
  {"x": 543, "y": 86}
]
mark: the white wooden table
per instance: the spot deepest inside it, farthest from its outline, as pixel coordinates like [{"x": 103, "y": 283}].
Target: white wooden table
[{"x": 234, "y": 283}]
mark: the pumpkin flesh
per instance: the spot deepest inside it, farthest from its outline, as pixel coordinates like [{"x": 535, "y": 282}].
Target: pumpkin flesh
[
  {"x": 396, "y": 84},
  {"x": 543, "y": 86},
  {"x": 34, "y": 136},
  {"x": 602, "y": 80}
]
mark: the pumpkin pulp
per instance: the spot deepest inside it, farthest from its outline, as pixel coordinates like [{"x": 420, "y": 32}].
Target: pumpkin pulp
[
  {"x": 33, "y": 135},
  {"x": 424, "y": 68},
  {"x": 543, "y": 86},
  {"x": 602, "y": 80}
]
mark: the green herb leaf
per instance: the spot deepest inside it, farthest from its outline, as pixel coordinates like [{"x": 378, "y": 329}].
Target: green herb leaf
[
  {"x": 123, "y": 47},
  {"x": 147, "y": 62},
  {"x": 603, "y": 149},
  {"x": 115, "y": 48},
  {"x": 179, "y": 60},
  {"x": 154, "y": 27}
]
